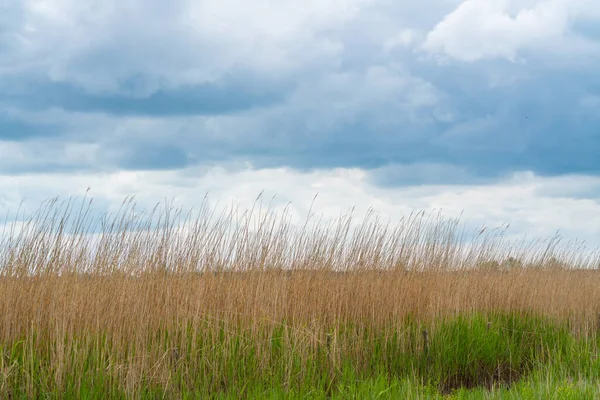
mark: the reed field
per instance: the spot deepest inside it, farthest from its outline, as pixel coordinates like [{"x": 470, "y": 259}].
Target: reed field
[{"x": 230, "y": 303}]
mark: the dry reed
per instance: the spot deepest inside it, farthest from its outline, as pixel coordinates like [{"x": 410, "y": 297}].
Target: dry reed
[{"x": 69, "y": 276}]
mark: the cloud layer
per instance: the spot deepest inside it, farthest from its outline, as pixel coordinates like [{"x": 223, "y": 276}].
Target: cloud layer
[
  {"x": 412, "y": 94},
  {"x": 535, "y": 206}
]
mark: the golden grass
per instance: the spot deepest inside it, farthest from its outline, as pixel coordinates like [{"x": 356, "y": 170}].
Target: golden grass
[
  {"x": 125, "y": 306},
  {"x": 84, "y": 273},
  {"x": 69, "y": 276}
]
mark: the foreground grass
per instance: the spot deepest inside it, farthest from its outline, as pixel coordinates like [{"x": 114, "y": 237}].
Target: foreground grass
[
  {"x": 474, "y": 356},
  {"x": 249, "y": 307}
]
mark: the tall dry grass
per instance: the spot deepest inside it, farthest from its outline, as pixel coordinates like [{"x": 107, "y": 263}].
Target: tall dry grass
[{"x": 138, "y": 287}]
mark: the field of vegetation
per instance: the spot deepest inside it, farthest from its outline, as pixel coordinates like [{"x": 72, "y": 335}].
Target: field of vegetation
[{"x": 233, "y": 304}]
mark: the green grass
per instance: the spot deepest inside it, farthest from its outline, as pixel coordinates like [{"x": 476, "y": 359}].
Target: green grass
[{"x": 465, "y": 357}]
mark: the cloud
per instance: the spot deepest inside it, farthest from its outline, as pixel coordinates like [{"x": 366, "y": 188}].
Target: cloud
[
  {"x": 480, "y": 29},
  {"x": 486, "y": 105},
  {"x": 96, "y": 46},
  {"x": 488, "y": 123},
  {"x": 44, "y": 156},
  {"x": 155, "y": 156},
  {"x": 12, "y": 128},
  {"x": 520, "y": 200},
  {"x": 221, "y": 97},
  {"x": 571, "y": 187},
  {"x": 420, "y": 174}
]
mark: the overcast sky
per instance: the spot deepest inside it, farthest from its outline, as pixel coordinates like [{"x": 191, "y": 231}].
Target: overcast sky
[{"x": 486, "y": 107}]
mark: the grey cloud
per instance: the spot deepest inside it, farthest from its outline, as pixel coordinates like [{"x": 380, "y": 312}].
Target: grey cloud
[
  {"x": 571, "y": 186},
  {"x": 214, "y": 98},
  {"x": 15, "y": 129},
  {"x": 361, "y": 105},
  {"x": 154, "y": 156},
  {"x": 419, "y": 173}
]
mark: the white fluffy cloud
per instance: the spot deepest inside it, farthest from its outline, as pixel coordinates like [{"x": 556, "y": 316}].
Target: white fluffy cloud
[
  {"x": 99, "y": 44},
  {"x": 479, "y": 29}
]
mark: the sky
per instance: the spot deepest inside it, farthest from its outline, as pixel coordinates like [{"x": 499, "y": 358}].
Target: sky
[{"x": 488, "y": 109}]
